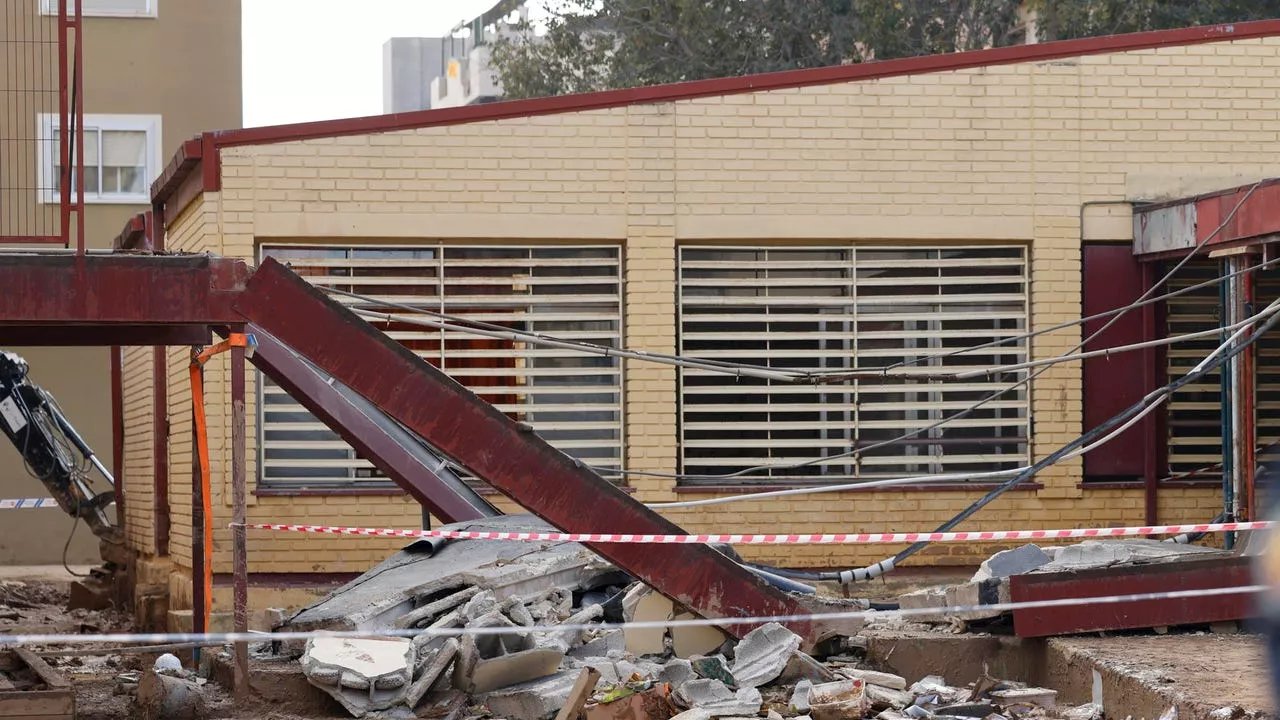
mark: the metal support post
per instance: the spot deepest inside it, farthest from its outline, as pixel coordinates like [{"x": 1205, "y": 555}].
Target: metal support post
[{"x": 239, "y": 546}]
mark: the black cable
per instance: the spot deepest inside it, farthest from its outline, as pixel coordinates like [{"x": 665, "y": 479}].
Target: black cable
[{"x": 885, "y": 565}]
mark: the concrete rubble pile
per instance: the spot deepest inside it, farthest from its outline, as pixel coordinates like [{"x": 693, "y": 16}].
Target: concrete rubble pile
[
  {"x": 481, "y": 594},
  {"x": 990, "y": 584}
]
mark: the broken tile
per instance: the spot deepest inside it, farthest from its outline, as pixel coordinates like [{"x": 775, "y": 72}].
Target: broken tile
[
  {"x": 693, "y": 640},
  {"x": 643, "y": 604},
  {"x": 871, "y": 677},
  {"x": 714, "y": 667},
  {"x": 535, "y": 700},
  {"x": 803, "y": 667},
  {"x": 763, "y": 653},
  {"x": 362, "y": 674}
]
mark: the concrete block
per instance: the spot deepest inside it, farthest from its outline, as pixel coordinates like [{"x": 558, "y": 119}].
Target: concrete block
[
  {"x": 536, "y": 700},
  {"x": 1011, "y": 562},
  {"x": 804, "y": 667},
  {"x": 871, "y": 677},
  {"x": 611, "y": 644},
  {"x": 695, "y": 640},
  {"x": 800, "y": 696},
  {"x": 363, "y": 675},
  {"x": 763, "y": 653},
  {"x": 677, "y": 672},
  {"x": 716, "y": 698},
  {"x": 643, "y": 604},
  {"x": 922, "y": 599},
  {"x": 513, "y": 669}
]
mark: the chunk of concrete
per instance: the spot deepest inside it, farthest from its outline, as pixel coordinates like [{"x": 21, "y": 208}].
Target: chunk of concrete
[
  {"x": 803, "y": 667},
  {"x": 716, "y": 698},
  {"x": 643, "y": 604},
  {"x": 611, "y": 644},
  {"x": 676, "y": 673},
  {"x": 165, "y": 697},
  {"x": 628, "y": 669},
  {"x": 1039, "y": 697},
  {"x": 883, "y": 698},
  {"x": 691, "y": 640},
  {"x": 1007, "y": 563},
  {"x": 937, "y": 686},
  {"x": 763, "y": 653},
  {"x": 431, "y": 610},
  {"x": 800, "y": 696},
  {"x": 479, "y": 605},
  {"x": 571, "y": 637},
  {"x": 536, "y": 700},
  {"x": 871, "y": 677},
  {"x": 935, "y": 597},
  {"x": 513, "y": 669},
  {"x": 363, "y": 675},
  {"x": 714, "y": 667},
  {"x": 437, "y": 659},
  {"x": 1105, "y": 553},
  {"x": 694, "y": 714}
]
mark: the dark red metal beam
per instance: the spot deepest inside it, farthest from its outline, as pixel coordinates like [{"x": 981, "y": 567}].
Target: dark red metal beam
[
  {"x": 444, "y": 499},
  {"x": 118, "y": 289},
  {"x": 507, "y": 455},
  {"x": 98, "y": 335},
  {"x": 1213, "y": 573}
]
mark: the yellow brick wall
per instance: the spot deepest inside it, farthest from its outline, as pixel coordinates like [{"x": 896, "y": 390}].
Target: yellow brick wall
[
  {"x": 138, "y": 375},
  {"x": 990, "y": 155}
]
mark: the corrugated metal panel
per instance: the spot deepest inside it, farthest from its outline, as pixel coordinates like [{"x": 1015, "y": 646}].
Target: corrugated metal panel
[
  {"x": 571, "y": 399},
  {"x": 841, "y": 309}
]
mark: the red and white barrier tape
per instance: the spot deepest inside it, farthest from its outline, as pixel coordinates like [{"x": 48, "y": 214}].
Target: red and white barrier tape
[
  {"x": 775, "y": 539},
  {"x": 27, "y": 503}
]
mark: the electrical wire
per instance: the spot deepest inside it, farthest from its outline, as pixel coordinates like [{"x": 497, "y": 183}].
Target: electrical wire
[{"x": 1123, "y": 419}]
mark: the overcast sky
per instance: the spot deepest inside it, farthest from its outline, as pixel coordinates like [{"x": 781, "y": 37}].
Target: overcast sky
[{"x": 321, "y": 59}]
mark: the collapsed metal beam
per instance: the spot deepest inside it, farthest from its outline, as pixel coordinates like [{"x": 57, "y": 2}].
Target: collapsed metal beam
[
  {"x": 404, "y": 457},
  {"x": 507, "y": 455}
]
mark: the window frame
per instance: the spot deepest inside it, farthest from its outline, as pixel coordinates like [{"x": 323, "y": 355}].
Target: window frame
[
  {"x": 849, "y": 263},
  {"x": 94, "y": 9},
  {"x": 47, "y": 123},
  {"x": 442, "y": 301}
]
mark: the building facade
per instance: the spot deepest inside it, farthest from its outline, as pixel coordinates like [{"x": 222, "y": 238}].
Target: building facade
[
  {"x": 156, "y": 72},
  {"x": 837, "y": 220}
]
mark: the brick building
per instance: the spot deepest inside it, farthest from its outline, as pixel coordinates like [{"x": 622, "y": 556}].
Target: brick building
[{"x": 841, "y": 218}]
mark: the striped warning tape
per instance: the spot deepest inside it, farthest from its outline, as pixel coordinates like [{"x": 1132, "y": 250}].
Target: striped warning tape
[
  {"x": 27, "y": 503},
  {"x": 775, "y": 539},
  {"x": 212, "y": 639}
]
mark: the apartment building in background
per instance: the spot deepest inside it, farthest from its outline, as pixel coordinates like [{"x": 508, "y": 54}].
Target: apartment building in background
[
  {"x": 156, "y": 73},
  {"x": 448, "y": 71}
]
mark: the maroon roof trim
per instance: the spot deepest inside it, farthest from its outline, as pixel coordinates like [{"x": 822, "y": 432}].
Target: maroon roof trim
[{"x": 212, "y": 141}]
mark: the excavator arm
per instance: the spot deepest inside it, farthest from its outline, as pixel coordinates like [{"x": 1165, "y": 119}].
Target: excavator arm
[{"x": 51, "y": 448}]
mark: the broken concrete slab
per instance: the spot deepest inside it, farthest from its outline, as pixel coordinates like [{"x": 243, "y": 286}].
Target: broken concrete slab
[
  {"x": 717, "y": 699},
  {"x": 511, "y": 669},
  {"x": 391, "y": 589},
  {"x": 1011, "y": 562},
  {"x": 803, "y": 667},
  {"x": 363, "y": 675},
  {"x": 676, "y": 673},
  {"x": 688, "y": 641},
  {"x": 431, "y": 610},
  {"x": 535, "y": 700},
  {"x": 1105, "y": 553},
  {"x": 883, "y": 698},
  {"x": 644, "y": 604},
  {"x": 433, "y": 661},
  {"x": 763, "y": 653},
  {"x": 871, "y": 677}
]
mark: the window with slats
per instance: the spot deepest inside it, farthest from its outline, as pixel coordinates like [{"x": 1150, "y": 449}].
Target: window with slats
[
  {"x": 1195, "y": 410},
  {"x": 572, "y": 399},
  {"x": 844, "y": 309}
]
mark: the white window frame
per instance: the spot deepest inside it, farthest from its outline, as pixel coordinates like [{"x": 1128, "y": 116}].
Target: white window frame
[
  {"x": 48, "y": 151},
  {"x": 102, "y": 8}
]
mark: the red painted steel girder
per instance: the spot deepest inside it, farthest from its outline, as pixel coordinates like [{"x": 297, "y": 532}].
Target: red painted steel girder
[
  {"x": 122, "y": 290},
  {"x": 504, "y": 453},
  {"x": 1173, "y": 576},
  {"x": 104, "y": 335},
  {"x": 445, "y": 500}
]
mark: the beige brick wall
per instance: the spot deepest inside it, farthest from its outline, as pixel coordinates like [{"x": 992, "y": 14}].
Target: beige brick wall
[{"x": 994, "y": 155}]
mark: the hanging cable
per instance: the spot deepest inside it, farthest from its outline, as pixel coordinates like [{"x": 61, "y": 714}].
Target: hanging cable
[{"x": 1113, "y": 426}]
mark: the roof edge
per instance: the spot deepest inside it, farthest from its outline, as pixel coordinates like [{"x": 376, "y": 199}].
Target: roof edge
[{"x": 212, "y": 141}]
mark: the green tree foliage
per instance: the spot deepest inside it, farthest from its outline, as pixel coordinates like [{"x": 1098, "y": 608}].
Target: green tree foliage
[
  {"x": 1066, "y": 19},
  {"x": 589, "y": 45}
]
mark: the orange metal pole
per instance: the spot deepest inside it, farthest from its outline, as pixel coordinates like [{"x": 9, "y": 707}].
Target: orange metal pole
[{"x": 201, "y": 493}]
